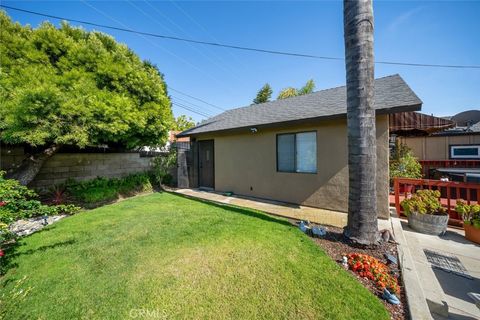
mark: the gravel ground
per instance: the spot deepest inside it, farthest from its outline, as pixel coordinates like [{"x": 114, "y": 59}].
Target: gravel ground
[
  {"x": 26, "y": 227},
  {"x": 336, "y": 246}
]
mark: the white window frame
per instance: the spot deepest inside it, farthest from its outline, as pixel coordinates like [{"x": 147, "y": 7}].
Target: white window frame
[{"x": 453, "y": 147}]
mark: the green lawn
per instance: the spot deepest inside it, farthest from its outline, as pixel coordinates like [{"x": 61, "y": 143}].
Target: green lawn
[{"x": 178, "y": 258}]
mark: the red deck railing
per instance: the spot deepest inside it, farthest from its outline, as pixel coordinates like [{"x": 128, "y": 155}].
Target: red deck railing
[
  {"x": 450, "y": 192},
  {"x": 432, "y": 164}
]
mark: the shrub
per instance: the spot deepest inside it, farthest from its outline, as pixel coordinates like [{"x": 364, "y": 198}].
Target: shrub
[
  {"x": 103, "y": 189},
  {"x": 404, "y": 164},
  {"x": 19, "y": 202},
  {"x": 423, "y": 202},
  {"x": 5, "y": 234},
  {"x": 57, "y": 195},
  {"x": 470, "y": 213},
  {"x": 162, "y": 165}
]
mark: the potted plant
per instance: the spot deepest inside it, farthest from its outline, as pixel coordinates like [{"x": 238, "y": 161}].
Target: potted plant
[
  {"x": 403, "y": 164},
  {"x": 425, "y": 212},
  {"x": 471, "y": 219}
]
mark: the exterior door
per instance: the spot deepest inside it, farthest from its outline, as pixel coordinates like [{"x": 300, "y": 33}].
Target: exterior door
[{"x": 206, "y": 164}]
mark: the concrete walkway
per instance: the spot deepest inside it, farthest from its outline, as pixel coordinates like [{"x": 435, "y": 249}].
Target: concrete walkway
[
  {"x": 444, "y": 294},
  {"x": 320, "y": 216}
]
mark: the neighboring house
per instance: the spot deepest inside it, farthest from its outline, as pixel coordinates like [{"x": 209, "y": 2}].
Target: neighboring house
[
  {"x": 292, "y": 150},
  {"x": 460, "y": 142},
  {"x": 172, "y": 137}
]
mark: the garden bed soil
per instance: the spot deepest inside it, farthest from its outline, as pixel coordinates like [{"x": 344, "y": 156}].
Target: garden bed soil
[{"x": 336, "y": 246}]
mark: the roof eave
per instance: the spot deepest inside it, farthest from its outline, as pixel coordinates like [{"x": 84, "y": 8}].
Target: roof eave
[{"x": 384, "y": 111}]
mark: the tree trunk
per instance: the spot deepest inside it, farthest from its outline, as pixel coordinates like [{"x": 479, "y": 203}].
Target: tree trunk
[
  {"x": 31, "y": 165},
  {"x": 362, "y": 226}
]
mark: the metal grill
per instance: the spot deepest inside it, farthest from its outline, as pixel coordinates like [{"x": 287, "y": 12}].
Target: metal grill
[{"x": 446, "y": 262}]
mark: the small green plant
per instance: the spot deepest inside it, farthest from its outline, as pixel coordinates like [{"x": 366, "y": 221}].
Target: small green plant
[
  {"x": 470, "y": 213},
  {"x": 18, "y": 202},
  {"x": 57, "y": 195},
  {"x": 5, "y": 235},
  {"x": 423, "y": 202},
  {"x": 162, "y": 166},
  {"x": 404, "y": 164}
]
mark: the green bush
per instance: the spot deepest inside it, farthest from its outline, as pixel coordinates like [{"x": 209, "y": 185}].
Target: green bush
[
  {"x": 470, "y": 213},
  {"x": 19, "y": 202},
  {"x": 161, "y": 167},
  {"x": 103, "y": 189},
  {"x": 404, "y": 164},
  {"x": 423, "y": 202}
]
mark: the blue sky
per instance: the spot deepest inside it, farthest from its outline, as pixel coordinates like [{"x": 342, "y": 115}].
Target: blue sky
[{"x": 438, "y": 32}]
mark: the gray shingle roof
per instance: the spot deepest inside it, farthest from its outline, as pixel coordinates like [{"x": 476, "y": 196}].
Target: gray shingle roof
[{"x": 392, "y": 95}]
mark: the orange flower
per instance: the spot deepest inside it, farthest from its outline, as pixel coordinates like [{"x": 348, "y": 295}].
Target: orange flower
[{"x": 371, "y": 268}]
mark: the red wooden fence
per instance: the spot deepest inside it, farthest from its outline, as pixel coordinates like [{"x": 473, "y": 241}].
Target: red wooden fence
[
  {"x": 432, "y": 164},
  {"x": 450, "y": 192}
]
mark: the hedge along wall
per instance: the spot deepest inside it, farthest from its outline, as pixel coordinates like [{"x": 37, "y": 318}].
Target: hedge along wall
[{"x": 79, "y": 166}]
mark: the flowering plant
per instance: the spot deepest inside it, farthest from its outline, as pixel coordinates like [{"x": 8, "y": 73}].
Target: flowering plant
[
  {"x": 369, "y": 267},
  {"x": 469, "y": 212}
]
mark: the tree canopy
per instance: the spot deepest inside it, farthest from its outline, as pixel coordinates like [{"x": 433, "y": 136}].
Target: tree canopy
[
  {"x": 307, "y": 88},
  {"x": 68, "y": 86},
  {"x": 182, "y": 123},
  {"x": 288, "y": 93},
  {"x": 292, "y": 92},
  {"x": 264, "y": 94}
]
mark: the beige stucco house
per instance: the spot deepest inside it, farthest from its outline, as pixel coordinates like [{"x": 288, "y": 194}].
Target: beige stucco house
[{"x": 292, "y": 150}]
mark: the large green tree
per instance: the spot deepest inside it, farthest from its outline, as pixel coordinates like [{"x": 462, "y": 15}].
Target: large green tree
[
  {"x": 67, "y": 86},
  {"x": 264, "y": 94},
  {"x": 182, "y": 123},
  {"x": 362, "y": 226}
]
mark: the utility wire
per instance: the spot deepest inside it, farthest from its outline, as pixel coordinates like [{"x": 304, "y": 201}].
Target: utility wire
[
  {"x": 177, "y": 104},
  {"x": 189, "y": 103},
  {"x": 190, "y": 96},
  {"x": 284, "y": 53},
  {"x": 153, "y": 43}
]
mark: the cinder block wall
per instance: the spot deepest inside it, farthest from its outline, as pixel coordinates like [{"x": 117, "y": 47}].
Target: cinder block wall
[
  {"x": 10, "y": 156},
  {"x": 86, "y": 166},
  {"x": 79, "y": 166}
]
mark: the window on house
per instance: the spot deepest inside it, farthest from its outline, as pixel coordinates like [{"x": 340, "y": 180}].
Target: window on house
[
  {"x": 465, "y": 152},
  {"x": 297, "y": 152}
]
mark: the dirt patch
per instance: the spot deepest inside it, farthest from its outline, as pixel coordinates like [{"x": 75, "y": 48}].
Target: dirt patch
[{"x": 336, "y": 246}]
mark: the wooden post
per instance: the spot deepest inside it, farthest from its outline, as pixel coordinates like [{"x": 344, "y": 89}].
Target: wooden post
[{"x": 396, "y": 188}]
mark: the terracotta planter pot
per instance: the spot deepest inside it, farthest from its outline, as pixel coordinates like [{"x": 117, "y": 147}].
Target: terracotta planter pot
[
  {"x": 428, "y": 223},
  {"x": 472, "y": 233}
]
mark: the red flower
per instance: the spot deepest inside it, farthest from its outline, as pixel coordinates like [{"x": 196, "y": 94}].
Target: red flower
[
  {"x": 2, "y": 203},
  {"x": 2, "y": 253}
]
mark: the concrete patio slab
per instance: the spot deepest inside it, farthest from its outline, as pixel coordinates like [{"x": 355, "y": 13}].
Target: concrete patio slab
[
  {"x": 316, "y": 215},
  {"x": 417, "y": 303},
  {"x": 445, "y": 293}
]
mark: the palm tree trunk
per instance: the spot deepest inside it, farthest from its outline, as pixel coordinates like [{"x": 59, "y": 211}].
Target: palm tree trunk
[{"x": 362, "y": 224}]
